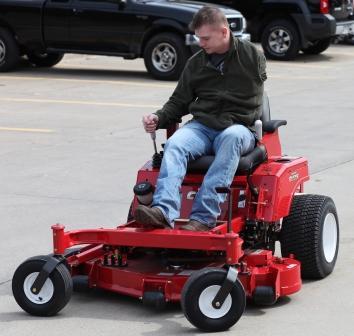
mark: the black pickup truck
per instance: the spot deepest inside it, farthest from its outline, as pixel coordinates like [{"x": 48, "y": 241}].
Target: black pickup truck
[
  {"x": 285, "y": 27},
  {"x": 157, "y": 30}
]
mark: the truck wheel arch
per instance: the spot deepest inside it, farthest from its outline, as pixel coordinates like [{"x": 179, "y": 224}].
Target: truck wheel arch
[{"x": 161, "y": 26}]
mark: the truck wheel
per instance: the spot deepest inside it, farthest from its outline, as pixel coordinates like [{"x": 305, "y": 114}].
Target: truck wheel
[
  {"x": 45, "y": 59},
  {"x": 53, "y": 296},
  {"x": 165, "y": 56},
  {"x": 280, "y": 40},
  {"x": 198, "y": 294},
  {"x": 311, "y": 233},
  {"x": 9, "y": 51},
  {"x": 317, "y": 47}
]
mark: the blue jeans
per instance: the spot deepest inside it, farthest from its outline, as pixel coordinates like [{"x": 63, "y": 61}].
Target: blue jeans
[{"x": 189, "y": 143}]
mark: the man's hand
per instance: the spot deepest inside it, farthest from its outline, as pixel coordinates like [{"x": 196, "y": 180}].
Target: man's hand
[{"x": 150, "y": 123}]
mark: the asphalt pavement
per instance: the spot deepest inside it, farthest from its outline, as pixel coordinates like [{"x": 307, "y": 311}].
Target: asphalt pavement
[{"x": 71, "y": 142}]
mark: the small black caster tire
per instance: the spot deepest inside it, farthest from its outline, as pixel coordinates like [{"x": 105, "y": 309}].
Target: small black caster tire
[
  {"x": 198, "y": 294},
  {"x": 54, "y": 295}
]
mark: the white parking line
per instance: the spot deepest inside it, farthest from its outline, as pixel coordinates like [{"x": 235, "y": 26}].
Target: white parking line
[
  {"x": 76, "y": 102},
  {"x": 32, "y": 130},
  {"x": 129, "y": 83}
]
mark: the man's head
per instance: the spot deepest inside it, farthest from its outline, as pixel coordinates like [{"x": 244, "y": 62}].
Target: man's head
[{"x": 211, "y": 27}]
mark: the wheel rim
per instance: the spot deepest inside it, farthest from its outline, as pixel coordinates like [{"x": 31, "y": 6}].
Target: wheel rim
[
  {"x": 279, "y": 41},
  {"x": 329, "y": 237},
  {"x": 44, "y": 295},
  {"x": 164, "y": 57},
  {"x": 205, "y": 303},
  {"x": 2, "y": 51}
]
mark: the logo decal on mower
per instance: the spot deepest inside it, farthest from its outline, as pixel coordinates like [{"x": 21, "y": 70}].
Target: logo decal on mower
[
  {"x": 191, "y": 195},
  {"x": 294, "y": 176}
]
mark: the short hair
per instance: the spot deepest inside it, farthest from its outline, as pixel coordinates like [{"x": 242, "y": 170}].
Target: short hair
[{"x": 210, "y": 15}]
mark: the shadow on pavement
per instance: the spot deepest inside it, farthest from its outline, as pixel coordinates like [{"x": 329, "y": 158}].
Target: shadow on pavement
[
  {"x": 82, "y": 73},
  {"x": 103, "y": 305}
]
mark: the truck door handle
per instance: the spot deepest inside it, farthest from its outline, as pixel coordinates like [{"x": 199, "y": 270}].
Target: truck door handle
[{"x": 76, "y": 10}]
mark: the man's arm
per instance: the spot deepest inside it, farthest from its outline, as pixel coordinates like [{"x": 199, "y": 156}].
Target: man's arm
[
  {"x": 262, "y": 67},
  {"x": 178, "y": 104}
]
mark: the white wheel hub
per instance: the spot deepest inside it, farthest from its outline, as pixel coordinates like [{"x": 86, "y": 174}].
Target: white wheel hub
[
  {"x": 329, "y": 237},
  {"x": 205, "y": 303},
  {"x": 44, "y": 295}
]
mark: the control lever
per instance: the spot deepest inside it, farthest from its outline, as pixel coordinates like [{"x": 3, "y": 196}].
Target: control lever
[
  {"x": 157, "y": 157},
  {"x": 153, "y": 137}
]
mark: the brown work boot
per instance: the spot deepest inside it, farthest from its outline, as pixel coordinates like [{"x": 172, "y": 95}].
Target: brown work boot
[
  {"x": 194, "y": 225},
  {"x": 151, "y": 216}
]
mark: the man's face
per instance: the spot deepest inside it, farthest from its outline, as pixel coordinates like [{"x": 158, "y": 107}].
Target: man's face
[{"x": 213, "y": 38}]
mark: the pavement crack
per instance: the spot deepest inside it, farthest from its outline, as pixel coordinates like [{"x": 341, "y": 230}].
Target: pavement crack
[
  {"x": 332, "y": 166},
  {"x": 4, "y": 282}
]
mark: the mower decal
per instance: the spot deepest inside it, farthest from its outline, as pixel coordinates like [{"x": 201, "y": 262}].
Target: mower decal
[
  {"x": 294, "y": 176},
  {"x": 191, "y": 195},
  {"x": 291, "y": 266},
  {"x": 242, "y": 199}
]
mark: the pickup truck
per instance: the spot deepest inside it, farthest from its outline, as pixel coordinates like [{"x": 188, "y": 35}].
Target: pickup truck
[
  {"x": 156, "y": 30},
  {"x": 284, "y": 27}
]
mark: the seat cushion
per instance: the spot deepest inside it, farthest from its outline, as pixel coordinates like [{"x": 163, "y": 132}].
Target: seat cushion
[{"x": 246, "y": 165}]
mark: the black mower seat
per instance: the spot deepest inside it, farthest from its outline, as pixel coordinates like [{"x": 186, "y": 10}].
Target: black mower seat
[
  {"x": 251, "y": 160},
  {"x": 247, "y": 163}
]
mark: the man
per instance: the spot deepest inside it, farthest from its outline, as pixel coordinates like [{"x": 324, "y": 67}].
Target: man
[{"x": 222, "y": 87}]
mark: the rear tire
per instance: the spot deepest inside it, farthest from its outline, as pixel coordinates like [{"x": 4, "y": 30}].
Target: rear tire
[
  {"x": 54, "y": 295},
  {"x": 318, "y": 47},
  {"x": 45, "y": 59},
  {"x": 311, "y": 233},
  {"x": 280, "y": 40},
  {"x": 9, "y": 51},
  {"x": 165, "y": 56}
]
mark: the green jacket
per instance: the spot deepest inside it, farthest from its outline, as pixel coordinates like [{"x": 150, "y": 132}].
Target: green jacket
[{"x": 219, "y": 99}]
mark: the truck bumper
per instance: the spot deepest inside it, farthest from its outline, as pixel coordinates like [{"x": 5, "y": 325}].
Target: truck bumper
[{"x": 345, "y": 28}]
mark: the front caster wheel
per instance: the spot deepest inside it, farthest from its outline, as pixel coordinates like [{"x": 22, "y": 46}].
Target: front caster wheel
[
  {"x": 197, "y": 297},
  {"x": 53, "y": 296}
]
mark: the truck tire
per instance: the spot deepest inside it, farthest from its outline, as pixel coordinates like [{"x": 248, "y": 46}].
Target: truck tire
[
  {"x": 317, "y": 47},
  {"x": 9, "y": 51},
  {"x": 45, "y": 59},
  {"x": 280, "y": 40},
  {"x": 165, "y": 56},
  {"x": 311, "y": 233}
]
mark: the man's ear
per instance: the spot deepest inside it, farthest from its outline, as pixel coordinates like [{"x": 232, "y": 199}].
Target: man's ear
[{"x": 225, "y": 31}]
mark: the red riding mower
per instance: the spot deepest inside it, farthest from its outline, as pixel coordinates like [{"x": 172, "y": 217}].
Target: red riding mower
[{"x": 211, "y": 273}]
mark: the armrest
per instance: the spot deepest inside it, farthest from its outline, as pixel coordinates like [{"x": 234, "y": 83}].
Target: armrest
[{"x": 272, "y": 125}]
